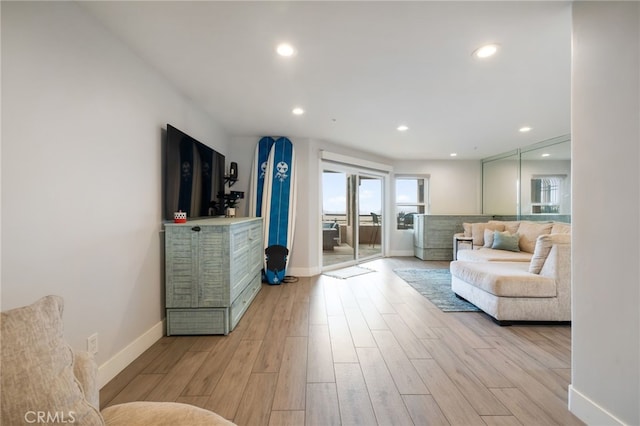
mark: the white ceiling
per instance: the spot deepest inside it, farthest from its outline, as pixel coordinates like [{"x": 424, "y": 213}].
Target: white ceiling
[{"x": 364, "y": 68}]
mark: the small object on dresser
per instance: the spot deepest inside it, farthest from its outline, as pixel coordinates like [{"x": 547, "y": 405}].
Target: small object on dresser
[{"x": 180, "y": 217}]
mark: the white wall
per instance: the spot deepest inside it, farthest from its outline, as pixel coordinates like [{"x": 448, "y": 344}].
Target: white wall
[
  {"x": 1, "y": 127},
  {"x": 242, "y": 150},
  {"x": 454, "y": 185},
  {"x": 605, "y": 131},
  {"x": 81, "y": 173}
]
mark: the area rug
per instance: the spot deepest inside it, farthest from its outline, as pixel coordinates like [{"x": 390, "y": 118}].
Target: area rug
[
  {"x": 352, "y": 271},
  {"x": 435, "y": 285}
]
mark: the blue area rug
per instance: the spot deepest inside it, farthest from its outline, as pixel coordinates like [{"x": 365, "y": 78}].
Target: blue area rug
[{"x": 435, "y": 285}]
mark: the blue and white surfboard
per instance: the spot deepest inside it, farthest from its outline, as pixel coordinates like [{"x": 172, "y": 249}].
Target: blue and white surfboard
[
  {"x": 278, "y": 209},
  {"x": 263, "y": 148}
]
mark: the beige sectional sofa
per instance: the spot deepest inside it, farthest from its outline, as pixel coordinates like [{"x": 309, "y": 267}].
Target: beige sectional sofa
[{"x": 528, "y": 281}]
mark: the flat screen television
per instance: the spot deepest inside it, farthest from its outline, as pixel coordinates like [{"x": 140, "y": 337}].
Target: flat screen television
[{"x": 193, "y": 176}]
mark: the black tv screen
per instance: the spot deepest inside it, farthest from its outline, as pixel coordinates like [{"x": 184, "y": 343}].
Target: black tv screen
[{"x": 194, "y": 176}]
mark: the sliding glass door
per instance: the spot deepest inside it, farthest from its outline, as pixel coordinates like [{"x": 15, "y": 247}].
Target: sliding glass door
[
  {"x": 351, "y": 216},
  {"x": 370, "y": 217}
]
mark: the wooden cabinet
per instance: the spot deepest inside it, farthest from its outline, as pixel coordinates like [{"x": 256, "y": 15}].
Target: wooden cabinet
[{"x": 213, "y": 272}]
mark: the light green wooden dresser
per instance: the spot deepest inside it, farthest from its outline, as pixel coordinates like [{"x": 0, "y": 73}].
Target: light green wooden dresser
[{"x": 213, "y": 272}]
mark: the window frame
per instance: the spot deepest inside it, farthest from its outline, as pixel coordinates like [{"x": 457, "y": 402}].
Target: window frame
[{"x": 425, "y": 205}]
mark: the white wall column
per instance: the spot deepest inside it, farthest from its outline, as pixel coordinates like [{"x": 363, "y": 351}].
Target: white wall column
[{"x": 605, "y": 131}]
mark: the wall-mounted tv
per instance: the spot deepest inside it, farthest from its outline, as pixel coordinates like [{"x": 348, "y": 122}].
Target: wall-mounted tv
[{"x": 193, "y": 176}]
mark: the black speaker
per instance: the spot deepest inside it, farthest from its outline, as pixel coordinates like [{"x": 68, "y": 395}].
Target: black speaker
[{"x": 233, "y": 170}]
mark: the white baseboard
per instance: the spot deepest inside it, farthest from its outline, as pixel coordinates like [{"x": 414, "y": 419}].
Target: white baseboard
[
  {"x": 588, "y": 411},
  {"x": 304, "y": 272},
  {"x": 122, "y": 359},
  {"x": 401, "y": 253}
]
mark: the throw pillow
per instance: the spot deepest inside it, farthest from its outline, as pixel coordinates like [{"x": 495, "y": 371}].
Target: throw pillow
[
  {"x": 477, "y": 231},
  {"x": 488, "y": 238},
  {"x": 529, "y": 233},
  {"x": 543, "y": 247},
  {"x": 37, "y": 369},
  {"x": 467, "y": 229},
  {"x": 506, "y": 241}
]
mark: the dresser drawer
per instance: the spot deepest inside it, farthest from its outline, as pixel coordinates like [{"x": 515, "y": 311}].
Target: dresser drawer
[
  {"x": 245, "y": 258},
  {"x": 197, "y": 321},
  {"x": 243, "y": 301}
]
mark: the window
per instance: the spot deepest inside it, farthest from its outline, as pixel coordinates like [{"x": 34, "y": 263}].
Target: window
[
  {"x": 411, "y": 198},
  {"x": 546, "y": 194}
]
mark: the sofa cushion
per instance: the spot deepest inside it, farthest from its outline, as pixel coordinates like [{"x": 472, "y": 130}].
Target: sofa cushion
[
  {"x": 529, "y": 233},
  {"x": 490, "y": 255},
  {"x": 540, "y": 253},
  {"x": 504, "y": 279},
  {"x": 477, "y": 231},
  {"x": 467, "y": 229},
  {"x": 37, "y": 368},
  {"x": 509, "y": 225},
  {"x": 561, "y": 228},
  {"x": 506, "y": 241}
]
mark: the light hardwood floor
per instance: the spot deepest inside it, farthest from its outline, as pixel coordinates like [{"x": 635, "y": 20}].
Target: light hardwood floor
[{"x": 362, "y": 351}]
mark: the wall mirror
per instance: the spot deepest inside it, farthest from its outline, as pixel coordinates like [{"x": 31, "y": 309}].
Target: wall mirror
[
  {"x": 533, "y": 182},
  {"x": 546, "y": 179},
  {"x": 500, "y": 176}
]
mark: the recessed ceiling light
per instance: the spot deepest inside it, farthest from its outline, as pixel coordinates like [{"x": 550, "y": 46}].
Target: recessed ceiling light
[
  {"x": 285, "y": 49},
  {"x": 453, "y": 154},
  {"x": 485, "y": 51},
  {"x": 403, "y": 128},
  {"x": 525, "y": 129},
  {"x": 297, "y": 111},
  {"x": 546, "y": 154}
]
